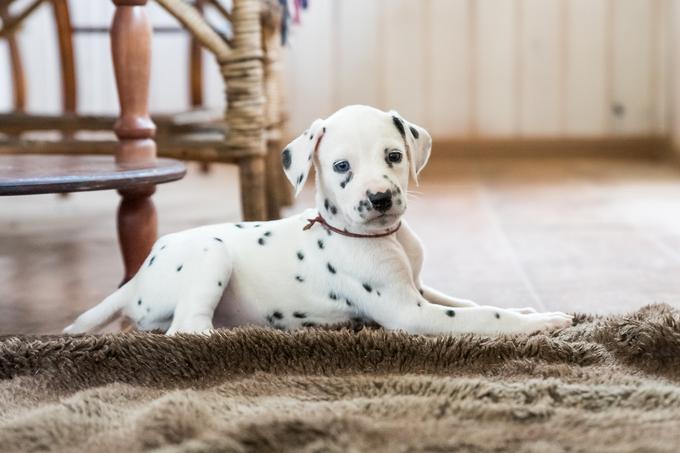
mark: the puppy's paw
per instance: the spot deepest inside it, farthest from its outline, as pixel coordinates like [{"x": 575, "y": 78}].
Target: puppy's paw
[
  {"x": 548, "y": 321},
  {"x": 205, "y": 331}
]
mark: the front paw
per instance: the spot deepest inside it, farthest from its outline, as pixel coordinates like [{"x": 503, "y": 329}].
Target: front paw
[{"x": 538, "y": 322}]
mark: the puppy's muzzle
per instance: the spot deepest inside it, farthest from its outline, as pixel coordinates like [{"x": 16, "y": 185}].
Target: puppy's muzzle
[{"x": 381, "y": 201}]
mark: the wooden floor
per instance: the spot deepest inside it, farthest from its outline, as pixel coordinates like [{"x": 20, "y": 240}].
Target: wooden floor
[{"x": 574, "y": 235}]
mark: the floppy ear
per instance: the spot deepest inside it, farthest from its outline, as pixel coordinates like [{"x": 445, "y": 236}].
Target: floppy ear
[
  {"x": 418, "y": 143},
  {"x": 296, "y": 158}
]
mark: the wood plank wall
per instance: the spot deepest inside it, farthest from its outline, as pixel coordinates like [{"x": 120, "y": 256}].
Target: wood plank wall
[
  {"x": 488, "y": 68},
  {"x": 464, "y": 69}
]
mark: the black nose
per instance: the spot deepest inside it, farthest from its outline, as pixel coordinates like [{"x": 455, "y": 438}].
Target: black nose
[{"x": 381, "y": 201}]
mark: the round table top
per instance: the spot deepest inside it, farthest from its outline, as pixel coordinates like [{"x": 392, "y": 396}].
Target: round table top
[{"x": 28, "y": 174}]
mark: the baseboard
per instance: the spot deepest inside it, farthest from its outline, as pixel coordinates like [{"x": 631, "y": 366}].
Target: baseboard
[{"x": 642, "y": 147}]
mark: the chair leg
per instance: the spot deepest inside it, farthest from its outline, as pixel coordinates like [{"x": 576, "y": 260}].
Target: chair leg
[
  {"x": 284, "y": 188},
  {"x": 253, "y": 194},
  {"x": 137, "y": 228},
  {"x": 273, "y": 189}
]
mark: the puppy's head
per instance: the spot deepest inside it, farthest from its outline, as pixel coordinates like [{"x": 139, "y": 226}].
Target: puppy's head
[{"x": 363, "y": 159}]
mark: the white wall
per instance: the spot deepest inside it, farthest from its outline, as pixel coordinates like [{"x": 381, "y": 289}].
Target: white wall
[
  {"x": 488, "y": 67},
  {"x": 461, "y": 68},
  {"x": 169, "y": 76}
]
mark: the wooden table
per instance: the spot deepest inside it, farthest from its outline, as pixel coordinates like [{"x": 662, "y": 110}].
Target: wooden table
[
  {"x": 39, "y": 174},
  {"x": 136, "y": 220}
]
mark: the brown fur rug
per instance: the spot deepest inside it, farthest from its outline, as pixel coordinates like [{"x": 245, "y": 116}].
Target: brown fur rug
[{"x": 605, "y": 384}]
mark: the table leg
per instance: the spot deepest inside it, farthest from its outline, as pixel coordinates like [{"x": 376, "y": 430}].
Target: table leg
[
  {"x": 131, "y": 51},
  {"x": 137, "y": 228}
]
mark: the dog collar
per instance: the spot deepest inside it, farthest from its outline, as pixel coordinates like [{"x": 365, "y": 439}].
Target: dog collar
[{"x": 322, "y": 221}]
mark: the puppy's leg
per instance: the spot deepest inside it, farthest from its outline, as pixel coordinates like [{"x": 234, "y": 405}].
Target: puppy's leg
[
  {"x": 416, "y": 256},
  {"x": 414, "y": 314},
  {"x": 200, "y": 293},
  {"x": 437, "y": 297}
]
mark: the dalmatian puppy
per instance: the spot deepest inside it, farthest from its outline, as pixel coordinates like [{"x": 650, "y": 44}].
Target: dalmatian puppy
[{"x": 353, "y": 256}]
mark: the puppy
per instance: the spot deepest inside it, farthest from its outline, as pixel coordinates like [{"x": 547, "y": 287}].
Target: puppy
[{"x": 353, "y": 256}]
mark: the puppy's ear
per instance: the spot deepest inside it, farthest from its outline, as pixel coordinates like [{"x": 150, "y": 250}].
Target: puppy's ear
[
  {"x": 418, "y": 143},
  {"x": 297, "y": 157}
]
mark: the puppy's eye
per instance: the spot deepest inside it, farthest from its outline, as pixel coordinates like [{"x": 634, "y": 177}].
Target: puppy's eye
[
  {"x": 394, "y": 157},
  {"x": 341, "y": 166}
]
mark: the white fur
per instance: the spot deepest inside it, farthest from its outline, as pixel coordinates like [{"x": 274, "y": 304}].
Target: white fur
[{"x": 275, "y": 273}]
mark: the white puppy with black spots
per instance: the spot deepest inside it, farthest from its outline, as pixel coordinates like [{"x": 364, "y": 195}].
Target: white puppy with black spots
[{"x": 351, "y": 257}]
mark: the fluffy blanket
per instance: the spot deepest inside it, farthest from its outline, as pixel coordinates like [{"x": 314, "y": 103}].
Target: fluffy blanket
[{"x": 605, "y": 384}]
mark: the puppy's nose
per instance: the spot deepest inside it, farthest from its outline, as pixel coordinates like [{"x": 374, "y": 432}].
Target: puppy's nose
[{"x": 381, "y": 201}]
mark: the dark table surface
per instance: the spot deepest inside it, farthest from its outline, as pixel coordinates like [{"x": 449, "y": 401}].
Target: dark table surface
[{"x": 28, "y": 174}]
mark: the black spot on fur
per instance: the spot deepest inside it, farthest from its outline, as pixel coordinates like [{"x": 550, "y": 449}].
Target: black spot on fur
[
  {"x": 268, "y": 233},
  {"x": 414, "y": 132},
  {"x": 422, "y": 293},
  {"x": 220, "y": 240},
  {"x": 330, "y": 267},
  {"x": 326, "y": 204},
  {"x": 300, "y": 178},
  {"x": 498, "y": 316},
  {"x": 163, "y": 246},
  {"x": 139, "y": 302},
  {"x": 333, "y": 296},
  {"x": 299, "y": 278},
  {"x": 286, "y": 159},
  {"x": 179, "y": 268},
  {"x": 334, "y": 210},
  {"x": 257, "y": 225},
  {"x": 219, "y": 283},
  {"x": 348, "y": 302},
  {"x": 260, "y": 241},
  {"x": 320, "y": 243},
  {"x": 324, "y": 129},
  {"x": 277, "y": 315},
  {"x": 153, "y": 258},
  {"x": 299, "y": 315},
  {"x": 420, "y": 304},
  {"x": 300, "y": 256},
  {"x": 450, "y": 313},
  {"x": 368, "y": 287},
  {"x": 378, "y": 293},
  {"x": 349, "y": 177},
  {"x": 238, "y": 225},
  {"x": 311, "y": 137},
  {"x": 309, "y": 157},
  {"x": 399, "y": 125}
]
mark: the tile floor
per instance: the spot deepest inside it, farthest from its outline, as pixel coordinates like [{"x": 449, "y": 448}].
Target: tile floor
[{"x": 558, "y": 234}]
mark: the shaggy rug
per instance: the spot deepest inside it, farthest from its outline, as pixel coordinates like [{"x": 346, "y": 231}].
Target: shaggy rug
[{"x": 605, "y": 384}]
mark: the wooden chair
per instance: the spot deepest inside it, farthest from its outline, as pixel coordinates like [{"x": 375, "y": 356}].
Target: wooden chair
[
  {"x": 247, "y": 135},
  {"x": 136, "y": 169}
]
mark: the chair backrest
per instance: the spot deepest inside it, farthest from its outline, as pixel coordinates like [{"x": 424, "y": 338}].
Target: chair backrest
[{"x": 67, "y": 59}]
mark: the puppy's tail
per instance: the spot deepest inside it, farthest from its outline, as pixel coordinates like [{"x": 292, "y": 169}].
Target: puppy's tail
[{"x": 104, "y": 312}]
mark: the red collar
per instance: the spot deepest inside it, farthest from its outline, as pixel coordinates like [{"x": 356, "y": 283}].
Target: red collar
[{"x": 323, "y": 222}]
